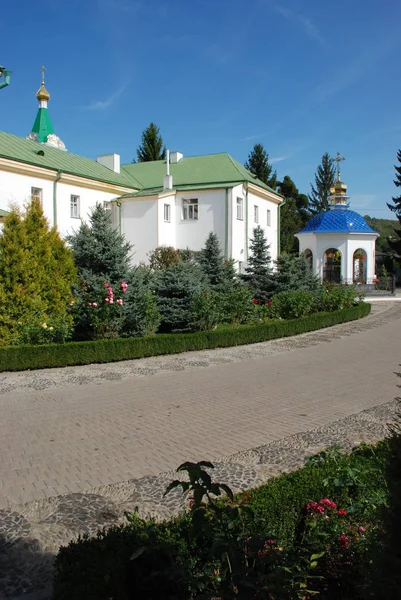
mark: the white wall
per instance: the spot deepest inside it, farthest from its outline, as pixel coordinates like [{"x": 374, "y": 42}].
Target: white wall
[
  {"x": 237, "y": 248},
  {"x": 16, "y": 189},
  {"x": 270, "y": 231},
  {"x": 211, "y": 217},
  {"x": 167, "y": 231},
  {"x": 139, "y": 223}
]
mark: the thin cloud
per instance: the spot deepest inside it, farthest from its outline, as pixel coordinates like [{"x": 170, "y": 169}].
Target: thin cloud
[
  {"x": 109, "y": 101},
  {"x": 302, "y": 20},
  {"x": 277, "y": 159}
]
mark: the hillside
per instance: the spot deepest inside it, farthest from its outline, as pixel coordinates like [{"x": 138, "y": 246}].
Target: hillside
[{"x": 386, "y": 228}]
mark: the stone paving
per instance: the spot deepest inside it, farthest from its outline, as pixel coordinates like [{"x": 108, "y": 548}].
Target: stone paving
[{"x": 88, "y": 443}]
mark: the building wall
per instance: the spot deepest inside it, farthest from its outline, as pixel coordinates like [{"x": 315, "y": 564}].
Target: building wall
[
  {"x": 139, "y": 224},
  {"x": 167, "y": 230},
  {"x": 271, "y": 231},
  {"x": 193, "y": 233}
]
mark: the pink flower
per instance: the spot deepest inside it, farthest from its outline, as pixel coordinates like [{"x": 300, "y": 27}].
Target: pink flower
[
  {"x": 314, "y": 507},
  {"x": 107, "y": 299},
  {"x": 361, "y": 529},
  {"x": 106, "y": 285},
  {"x": 111, "y": 293},
  {"x": 271, "y": 542},
  {"x": 120, "y": 302},
  {"x": 329, "y": 503},
  {"x": 89, "y": 303},
  {"x": 344, "y": 540},
  {"x": 111, "y": 301},
  {"x": 94, "y": 304},
  {"x": 342, "y": 512},
  {"x": 72, "y": 303},
  {"x": 124, "y": 286}
]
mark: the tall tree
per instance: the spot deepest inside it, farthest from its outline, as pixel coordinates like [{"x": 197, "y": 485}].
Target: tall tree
[
  {"x": 324, "y": 180},
  {"x": 396, "y": 207},
  {"x": 211, "y": 262},
  {"x": 258, "y": 274},
  {"x": 152, "y": 147},
  {"x": 258, "y": 164},
  {"x": 293, "y": 215}
]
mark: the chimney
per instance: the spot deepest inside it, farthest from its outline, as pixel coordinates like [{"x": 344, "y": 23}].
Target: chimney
[
  {"x": 111, "y": 161},
  {"x": 175, "y": 157},
  {"x": 168, "y": 179}
]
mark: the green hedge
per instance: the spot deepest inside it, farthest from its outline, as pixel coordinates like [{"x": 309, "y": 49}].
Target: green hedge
[{"x": 19, "y": 358}]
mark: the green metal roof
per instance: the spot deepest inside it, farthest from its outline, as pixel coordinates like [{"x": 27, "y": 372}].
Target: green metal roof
[
  {"x": 3, "y": 213},
  {"x": 26, "y": 151},
  {"x": 210, "y": 170},
  {"x": 42, "y": 125}
]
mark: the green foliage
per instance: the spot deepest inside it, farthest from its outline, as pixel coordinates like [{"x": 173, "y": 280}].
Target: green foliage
[
  {"x": 163, "y": 257},
  {"x": 294, "y": 273},
  {"x": 258, "y": 274},
  {"x": 293, "y": 305},
  {"x": 57, "y": 330},
  {"x": 100, "y": 250},
  {"x": 175, "y": 289},
  {"x": 205, "y": 311},
  {"x": 387, "y": 228},
  {"x": 152, "y": 147},
  {"x": 336, "y": 297},
  {"x": 293, "y": 215},
  {"x": 211, "y": 262},
  {"x": 104, "y": 351},
  {"x": 395, "y": 245},
  {"x": 258, "y": 164},
  {"x": 235, "y": 305},
  {"x": 324, "y": 180},
  {"x": 36, "y": 272}
]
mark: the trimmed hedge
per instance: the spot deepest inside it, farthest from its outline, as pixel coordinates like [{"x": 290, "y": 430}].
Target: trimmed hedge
[{"x": 19, "y": 358}]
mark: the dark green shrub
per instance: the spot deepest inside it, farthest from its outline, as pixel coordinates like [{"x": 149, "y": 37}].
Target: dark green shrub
[
  {"x": 235, "y": 305},
  {"x": 104, "y": 351},
  {"x": 293, "y": 273},
  {"x": 293, "y": 305},
  {"x": 336, "y": 297},
  {"x": 205, "y": 311}
]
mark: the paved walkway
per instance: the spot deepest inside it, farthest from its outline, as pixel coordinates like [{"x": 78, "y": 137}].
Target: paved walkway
[{"x": 68, "y": 430}]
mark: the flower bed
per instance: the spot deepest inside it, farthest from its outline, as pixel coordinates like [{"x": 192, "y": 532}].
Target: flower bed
[{"x": 18, "y": 358}]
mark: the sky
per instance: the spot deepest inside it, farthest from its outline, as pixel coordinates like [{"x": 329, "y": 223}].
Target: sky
[{"x": 300, "y": 77}]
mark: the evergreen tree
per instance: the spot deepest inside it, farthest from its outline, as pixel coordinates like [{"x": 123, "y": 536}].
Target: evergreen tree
[
  {"x": 211, "y": 262},
  {"x": 396, "y": 207},
  {"x": 36, "y": 272},
  {"x": 152, "y": 147},
  {"x": 293, "y": 215},
  {"x": 175, "y": 289},
  {"x": 163, "y": 257},
  {"x": 294, "y": 273},
  {"x": 324, "y": 180},
  {"x": 258, "y": 274},
  {"x": 100, "y": 250},
  {"x": 258, "y": 164}
]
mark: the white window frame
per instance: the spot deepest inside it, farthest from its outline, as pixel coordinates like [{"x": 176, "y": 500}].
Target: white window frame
[
  {"x": 240, "y": 209},
  {"x": 190, "y": 209},
  {"x": 268, "y": 217},
  {"x": 108, "y": 207},
  {"x": 167, "y": 213},
  {"x": 256, "y": 213},
  {"x": 75, "y": 206},
  {"x": 37, "y": 193}
]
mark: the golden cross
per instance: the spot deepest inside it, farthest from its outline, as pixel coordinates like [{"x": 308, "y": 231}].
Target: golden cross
[
  {"x": 43, "y": 75},
  {"x": 338, "y": 159}
]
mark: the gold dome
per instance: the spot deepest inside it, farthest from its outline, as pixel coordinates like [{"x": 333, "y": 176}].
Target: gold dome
[{"x": 42, "y": 93}]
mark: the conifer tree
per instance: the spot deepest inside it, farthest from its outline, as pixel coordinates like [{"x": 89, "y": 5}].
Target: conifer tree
[
  {"x": 211, "y": 262},
  {"x": 324, "y": 180},
  {"x": 36, "y": 271},
  {"x": 396, "y": 207},
  {"x": 294, "y": 273},
  {"x": 259, "y": 273},
  {"x": 152, "y": 147},
  {"x": 258, "y": 164},
  {"x": 99, "y": 249}
]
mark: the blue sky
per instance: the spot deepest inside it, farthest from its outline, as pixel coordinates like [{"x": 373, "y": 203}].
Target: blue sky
[{"x": 217, "y": 76}]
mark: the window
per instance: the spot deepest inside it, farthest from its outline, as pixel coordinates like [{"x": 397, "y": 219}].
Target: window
[
  {"x": 268, "y": 219},
  {"x": 108, "y": 207},
  {"x": 75, "y": 201},
  {"x": 37, "y": 193},
  {"x": 256, "y": 214},
  {"x": 240, "y": 209},
  {"x": 167, "y": 213},
  {"x": 190, "y": 209}
]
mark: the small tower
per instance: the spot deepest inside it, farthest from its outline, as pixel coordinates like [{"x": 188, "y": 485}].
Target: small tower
[{"x": 42, "y": 130}]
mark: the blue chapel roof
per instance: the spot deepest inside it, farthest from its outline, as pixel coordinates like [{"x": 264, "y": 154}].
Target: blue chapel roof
[{"x": 338, "y": 220}]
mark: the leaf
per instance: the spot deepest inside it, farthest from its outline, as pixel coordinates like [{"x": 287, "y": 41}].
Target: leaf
[
  {"x": 227, "y": 490},
  {"x": 205, "y": 477},
  {"x": 186, "y": 466},
  {"x": 138, "y": 553},
  {"x": 172, "y": 486},
  {"x": 198, "y": 496},
  {"x": 313, "y": 564},
  {"x": 205, "y": 463},
  {"x": 317, "y": 556}
]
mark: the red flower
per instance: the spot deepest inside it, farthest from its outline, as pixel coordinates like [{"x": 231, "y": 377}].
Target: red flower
[
  {"x": 329, "y": 503},
  {"x": 314, "y": 507},
  {"x": 344, "y": 540},
  {"x": 342, "y": 512},
  {"x": 255, "y": 301},
  {"x": 269, "y": 303}
]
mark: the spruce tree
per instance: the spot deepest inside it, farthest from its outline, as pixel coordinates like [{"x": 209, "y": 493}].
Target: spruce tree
[
  {"x": 211, "y": 262},
  {"x": 152, "y": 147},
  {"x": 258, "y": 164},
  {"x": 396, "y": 207},
  {"x": 36, "y": 271},
  {"x": 258, "y": 274},
  {"x": 294, "y": 273},
  {"x": 100, "y": 250},
  {"x": 324, "y": 180}
]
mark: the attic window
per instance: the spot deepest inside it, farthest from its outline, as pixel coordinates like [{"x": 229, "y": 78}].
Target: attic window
[{"x": 41, "y": 152}]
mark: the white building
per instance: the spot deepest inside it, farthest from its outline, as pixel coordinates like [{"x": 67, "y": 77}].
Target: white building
[
  {"x": 338, "y": 243},
  {"x": 176, "y": 203}
]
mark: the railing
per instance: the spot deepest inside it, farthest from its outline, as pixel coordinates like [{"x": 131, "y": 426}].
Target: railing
[{"x": 380, "y": 286}]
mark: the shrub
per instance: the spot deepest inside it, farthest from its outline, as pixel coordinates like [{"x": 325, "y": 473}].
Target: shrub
[
  {"x": 141, "y": 314},
  {"x": 336, "y": 297},
  {"x": 294, "y": 273},
  {"x": 235, "y": 305},
  {"x": 103, "y": 351},
  {"x": 293, "y": 305},
  {"x": 175, "y": 289},
  {"x": 55, "y": 330},
  {"x": 163, "y": 257},
  {"x": 205, "y": 311}
]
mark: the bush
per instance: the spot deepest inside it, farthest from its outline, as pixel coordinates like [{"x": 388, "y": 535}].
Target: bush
[
  {"x": 235, "y": 305},
  {"x": 104, "y": 351},
  {"x": 336, "y": 297},
  {"x": 293, "y": 273},
  {"x": 55, "y": 330},
  {"x": 293, "y": 305},
  {"x": 205, "y": 311},
  {"x": 141, "y": 314}
]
